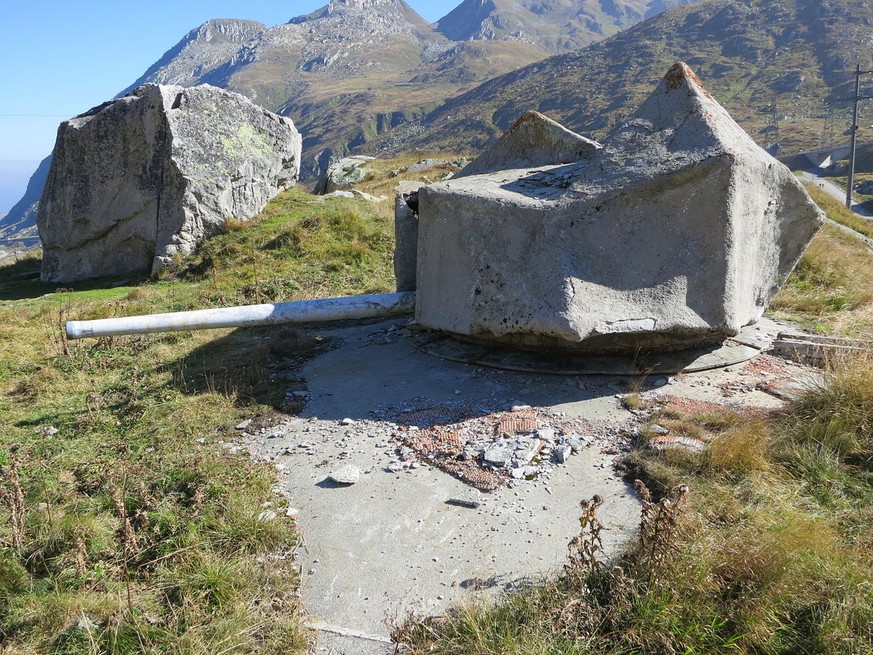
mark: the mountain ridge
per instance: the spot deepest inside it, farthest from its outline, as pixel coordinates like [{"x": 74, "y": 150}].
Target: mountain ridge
[
  {"x": 773, "y": 63},
  {"x": 357, "y": 77}
]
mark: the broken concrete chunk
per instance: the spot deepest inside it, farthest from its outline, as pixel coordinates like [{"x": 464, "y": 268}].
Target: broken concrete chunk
[
  {"x": 526, "y": 450},
  {"x": 546, "y": 434},
  {"x": 146, "y": 177},
  {"x": 499, "y": 455},
  {"x": 676, "y": 234},
  {"x": 534, "y": 140},
  {"x": 346, "y": 475},
  {"x": 560, "y": 454}
]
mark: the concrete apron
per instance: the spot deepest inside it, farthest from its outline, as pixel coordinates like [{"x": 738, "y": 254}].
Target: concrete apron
[{"x": 391, "y": 543}]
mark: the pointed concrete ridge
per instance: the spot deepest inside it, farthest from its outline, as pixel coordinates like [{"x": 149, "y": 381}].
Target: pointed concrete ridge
[
  {"x": 678, "y": 232},
  {"x": 534, "y": 140}
]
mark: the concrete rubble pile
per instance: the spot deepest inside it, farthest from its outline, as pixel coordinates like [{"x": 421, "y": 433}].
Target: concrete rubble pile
[
  {"x": 139, "y": 179},
  {"x": 675, "y": 233}
]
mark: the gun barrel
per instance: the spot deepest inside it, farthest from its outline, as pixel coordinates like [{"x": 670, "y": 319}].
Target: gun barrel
[{"x": 302, "y": 311}]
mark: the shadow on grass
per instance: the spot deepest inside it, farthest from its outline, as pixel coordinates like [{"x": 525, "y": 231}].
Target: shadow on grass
[
  {"x": 20, "y": 281},
  {"x": 252, "y": 366}
]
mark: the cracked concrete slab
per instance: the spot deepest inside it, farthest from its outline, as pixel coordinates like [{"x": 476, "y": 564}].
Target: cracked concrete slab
[{"x": 408, "y": 537}]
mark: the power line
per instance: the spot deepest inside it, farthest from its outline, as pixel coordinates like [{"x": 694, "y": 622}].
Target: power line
[{"x": 35, "y": 115}]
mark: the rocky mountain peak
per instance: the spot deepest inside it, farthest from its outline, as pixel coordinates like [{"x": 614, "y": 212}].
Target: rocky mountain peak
[
  {"x": 554, "y": 25},
  {"x": 393, "y": 10},
  {"x": 334, "y": 5}
]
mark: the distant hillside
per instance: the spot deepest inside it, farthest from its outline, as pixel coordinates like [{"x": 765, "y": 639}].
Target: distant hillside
[
  {"x": 554, "y": 25},
  {"x": 770, "y": 62},
  {"x": 357, "y": 68},
  {"x": 19, "y": 225},
  {"x": 344, "y": 73}
]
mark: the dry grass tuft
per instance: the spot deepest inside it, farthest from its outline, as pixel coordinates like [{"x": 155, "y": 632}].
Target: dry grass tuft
[{"x": 742, "y": 448}]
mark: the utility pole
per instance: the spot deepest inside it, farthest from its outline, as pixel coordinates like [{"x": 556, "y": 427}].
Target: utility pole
[{"x": 856, "y": 100}]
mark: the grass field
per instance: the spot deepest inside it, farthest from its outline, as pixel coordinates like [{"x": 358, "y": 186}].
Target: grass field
[{"x": 132, "y": 521}]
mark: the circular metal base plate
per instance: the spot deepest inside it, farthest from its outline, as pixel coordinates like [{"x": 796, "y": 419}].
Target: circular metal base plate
[{"x": 446, "y": 347}]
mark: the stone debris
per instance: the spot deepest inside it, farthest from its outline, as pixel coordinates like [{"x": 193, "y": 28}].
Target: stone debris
[
  {"x": 342, "y": 175},
  {"x": 488, "y": 449},
  {"x": 538, "y": 256},
  {"x": 144, "y": 178},
  {"x": 346, "y": 475}
]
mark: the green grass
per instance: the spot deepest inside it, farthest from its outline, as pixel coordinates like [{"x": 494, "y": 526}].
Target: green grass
[
  {"x": 839, "y": 212},
  {"x": 138, "y": 527},
  {"x": 830, "y": 289}
]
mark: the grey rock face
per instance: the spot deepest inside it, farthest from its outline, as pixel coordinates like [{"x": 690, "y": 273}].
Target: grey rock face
[
  {"x": 554, "y": 25},
  {"x": 679, "y": 231},
  {"x": 142, "y": 178},
  {"x": 534, "y": 140},
  {"x": 342, "y": 174},
  {"x": 202, "y": 53}
]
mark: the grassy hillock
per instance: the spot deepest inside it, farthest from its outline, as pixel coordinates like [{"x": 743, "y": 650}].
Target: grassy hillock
[{"x": 132, "y": 520}]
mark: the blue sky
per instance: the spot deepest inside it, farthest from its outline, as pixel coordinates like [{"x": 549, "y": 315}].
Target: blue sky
[{"x": 60, "y": 59}]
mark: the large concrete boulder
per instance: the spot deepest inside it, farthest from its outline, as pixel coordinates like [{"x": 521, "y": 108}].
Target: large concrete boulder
[
  {"x": 145, "y": 177},
  {"x": 677, "y": 232}
]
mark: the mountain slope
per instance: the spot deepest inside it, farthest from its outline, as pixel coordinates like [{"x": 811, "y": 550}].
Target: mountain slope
[
  {"x": 354, "y": 69},
  {"x": 344, "y": 73},
  {"x": 19, "y": 224},
  {"x": 554, "y": 25},
  {"x": 767, "y": 61},
  {"x": 200, "y": 52}
]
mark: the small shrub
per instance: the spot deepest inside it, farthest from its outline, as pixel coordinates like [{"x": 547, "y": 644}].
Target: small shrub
[
  {"x": 233, "y": 225},
  {"x": 137, "y": 293}
]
